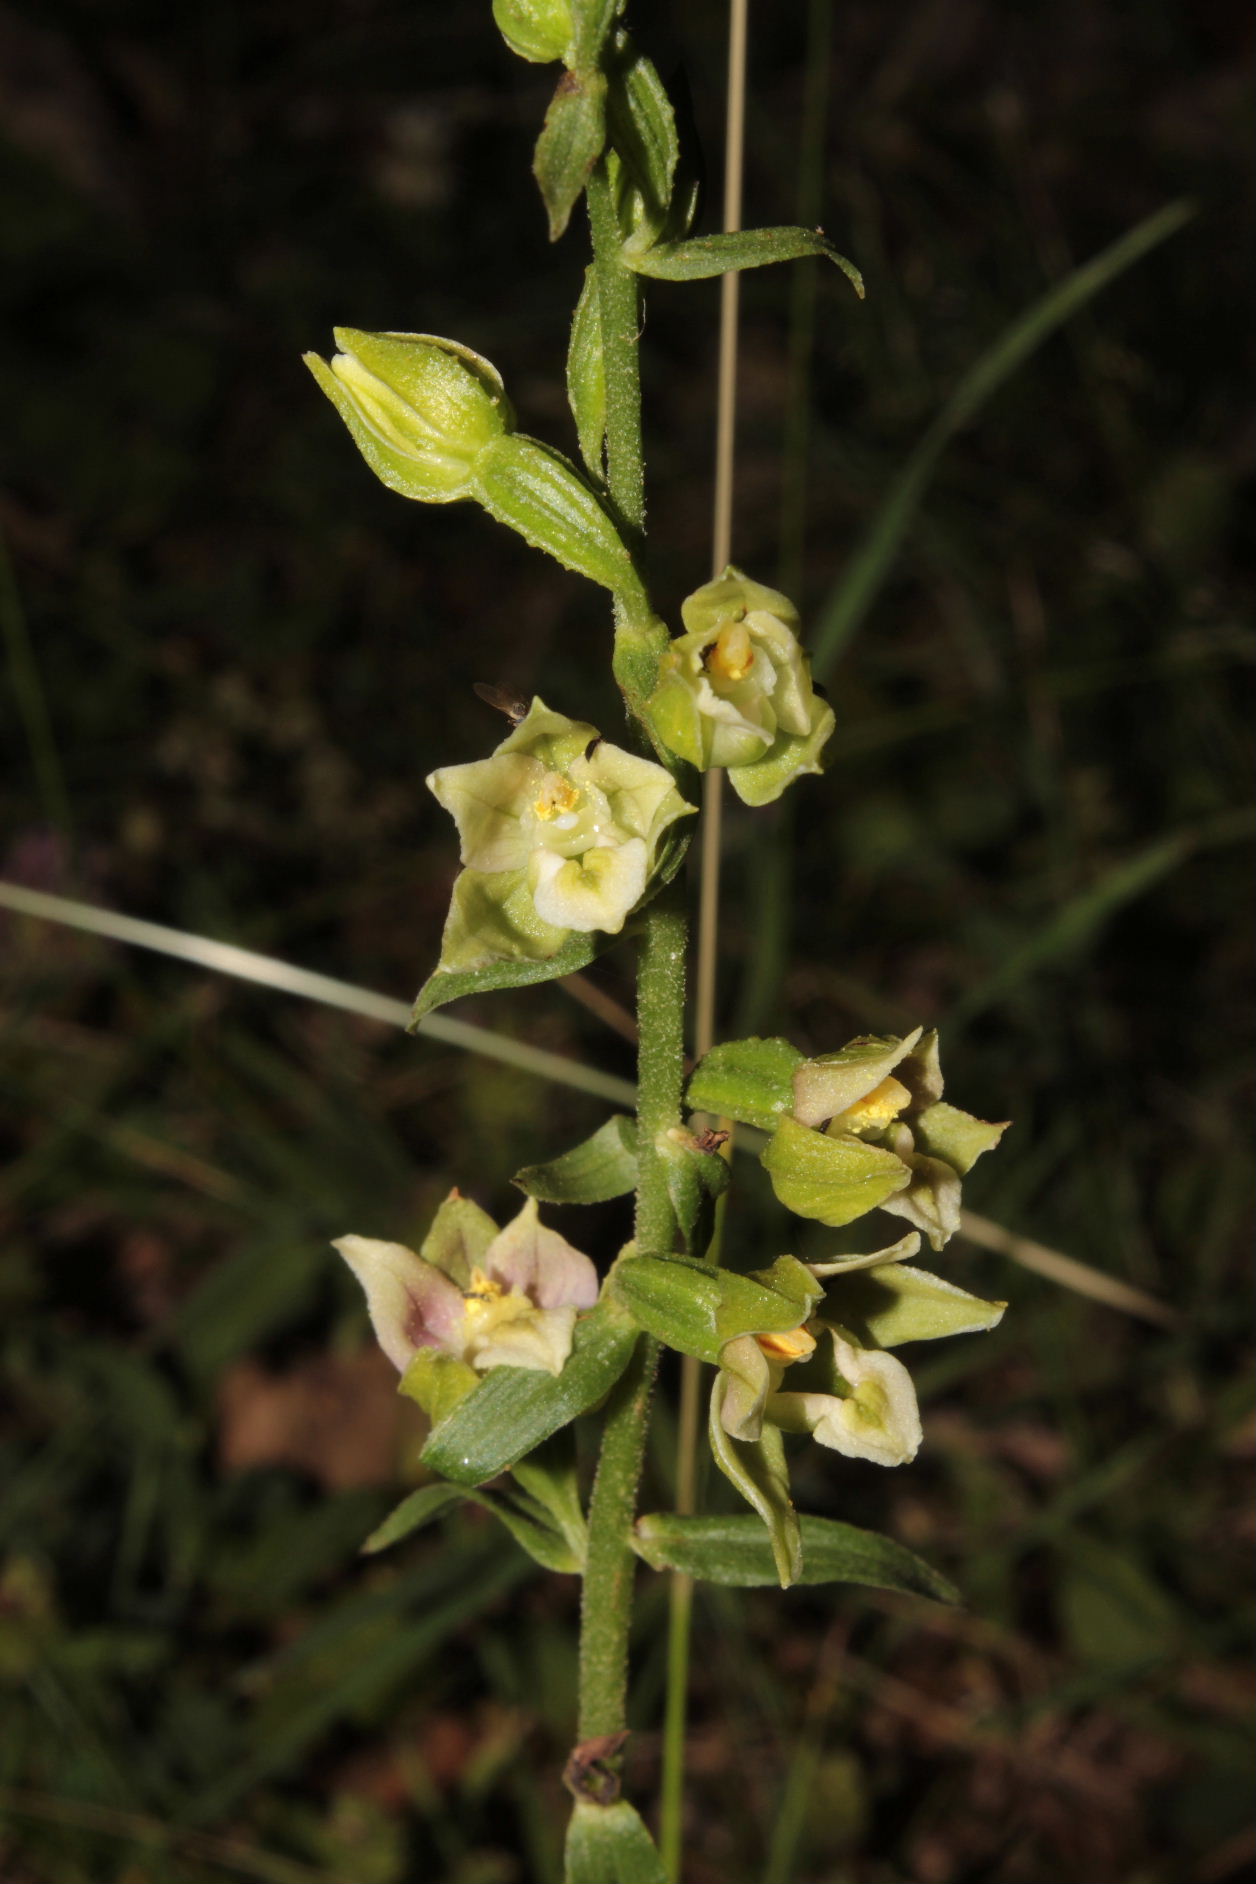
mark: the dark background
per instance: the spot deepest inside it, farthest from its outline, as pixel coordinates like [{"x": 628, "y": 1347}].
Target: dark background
[{"x": 234, "y": 656}]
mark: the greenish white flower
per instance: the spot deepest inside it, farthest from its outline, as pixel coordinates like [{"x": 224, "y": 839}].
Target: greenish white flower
[
  {"x": 560, "y": 832},
  {"x": 537, "y": 30},
  {"x": 869, "y": 1127},
  {"x": 481, "y": 1296},
  {"x": 856, "y": 1401},
  {"x": 735, "y": 689}
]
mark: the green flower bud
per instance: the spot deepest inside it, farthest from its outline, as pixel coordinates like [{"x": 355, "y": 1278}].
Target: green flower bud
[
  {"x": 560, "y": 834},
  {"x": 735, "y": 690},
  {"x": 420, "y": 410},
  {"x": 539, "y": 30}
]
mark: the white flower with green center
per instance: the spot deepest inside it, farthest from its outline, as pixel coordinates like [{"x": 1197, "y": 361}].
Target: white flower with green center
[
  {"x": 735, "y": 689},
  {"x": 560, "y": 832},
  {"x": 854, "y": 1400},
  {"x": 483, "y": 1296}
]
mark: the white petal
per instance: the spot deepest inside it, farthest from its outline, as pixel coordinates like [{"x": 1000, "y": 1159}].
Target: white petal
[{"x": 593, "y": 891}]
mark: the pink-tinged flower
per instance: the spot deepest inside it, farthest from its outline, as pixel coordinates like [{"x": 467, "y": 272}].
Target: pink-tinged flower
[{"x": 489, "y": 1297}]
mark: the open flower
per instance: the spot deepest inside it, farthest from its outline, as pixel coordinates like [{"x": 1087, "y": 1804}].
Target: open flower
[
  {"x": 857, "y": 1401},
  {"x": 486, "y": 1297},
  {"x": 868, "y": 1128},
  {"x": 560, "y": 832},
  {"x": 735, "y": 689}
]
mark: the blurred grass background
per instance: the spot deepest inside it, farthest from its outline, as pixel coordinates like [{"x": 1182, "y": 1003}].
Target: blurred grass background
[{"x": 231, "y": 659}]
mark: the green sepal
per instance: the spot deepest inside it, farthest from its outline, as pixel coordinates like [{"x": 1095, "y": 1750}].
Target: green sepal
[
  {"x": 790, "y": 756},
  {"x": 734, "y": 1551},
  {"x": 695, "y": 1178},
  {"x": 959, "y": 1139},
  {"x": 604, "y": 1165},
  {"x": 515, "y": 1408},
  {"x": 696, "y": 1307},
  {"x": 438, "y": 1382},
  {"x": 586, "y": 376},
  {"x": 747, "y": 1080},
  {"x": 885, "y": 1306},
  {"x": 533, "y": 1531},
  {"x": 571, "y": 141},
  {"x": 609, "y": 1844},
  {"x": 539, "y": 493},
  {"x": 549, "y": 1477},
  {"x": 457, "y": 1239},
  {"x": 703, "y": 256},
  {"x": 758, "y": 1470},
  {"x": 833, "y": 1180},
  {"x": 831, "y": 1083},
  {"x": 445, "y": 985}
]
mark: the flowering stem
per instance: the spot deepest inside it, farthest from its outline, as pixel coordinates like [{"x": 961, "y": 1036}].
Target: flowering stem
[{"x": 606, "y": 1609}]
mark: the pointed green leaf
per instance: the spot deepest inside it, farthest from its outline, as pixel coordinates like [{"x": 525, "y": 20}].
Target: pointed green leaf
[
  {"x": 833, "y": 1180},
  {"x": 609, "y": 1844},
  {"x": 414, "y": 1511},
  {"x": 886, "y": 1306},
  {"x": 586, "y": 376},
  {"x": 542, "y": 1540},
  {"x": 604, "y": 1166},
  {"x": 757, "y": 1469},
  {"x": 550, "y": 1478},
  {"x": 450, "y": 985},
  {"x": 516, "y": 1408},
  {"x": 696, "y": 1308},
  {"x": 570, "y": 144},
  {"x": 747, "y": 1080},
  {"x": 530, "y": 1526},
  {"x": 702, "y": 256},
  {"x": 734, "y": 1551}
]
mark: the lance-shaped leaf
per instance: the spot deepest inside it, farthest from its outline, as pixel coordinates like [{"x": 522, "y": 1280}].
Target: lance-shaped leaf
[
  {"x": 735, "y": 1551},
  {"x": 833, "y": 1180},
  {"x": 747, "y": 1080},
  {"x": 886, "y": 1306},
  {"x": 602, "y": 1166},
  {"x": 757, "y": 1469},
  {"x": 530, "y": 1527},
  {"x": 609, "y": 1844},
  {"x": 586, "y": 376},
  {"x": 702, "y": 256},
  {"x": 697, "y": 1308},
  {"x": 570, "y": 144},
  {"x": 540, "y": 494},
  {"x": 445, "y": 985},
  {"x": 516, "y": 1409}
]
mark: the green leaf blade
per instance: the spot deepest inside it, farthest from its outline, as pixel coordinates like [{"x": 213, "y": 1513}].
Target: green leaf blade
[
  {"x": 602, "y": 1166},
  {"x": 736, "y": 1552},
  {"x": 516, "y": 1408},
  {"x": 701, "y": 257}
]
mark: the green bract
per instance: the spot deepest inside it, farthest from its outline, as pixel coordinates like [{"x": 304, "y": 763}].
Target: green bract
[
  {"x": 420, "y": 409},
  {"x": 560, "y": 834},
  {"x": 735, "y": 689}
]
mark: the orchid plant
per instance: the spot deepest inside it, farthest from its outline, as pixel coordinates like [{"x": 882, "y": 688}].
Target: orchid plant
[{"x": 571, "y": 844}]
